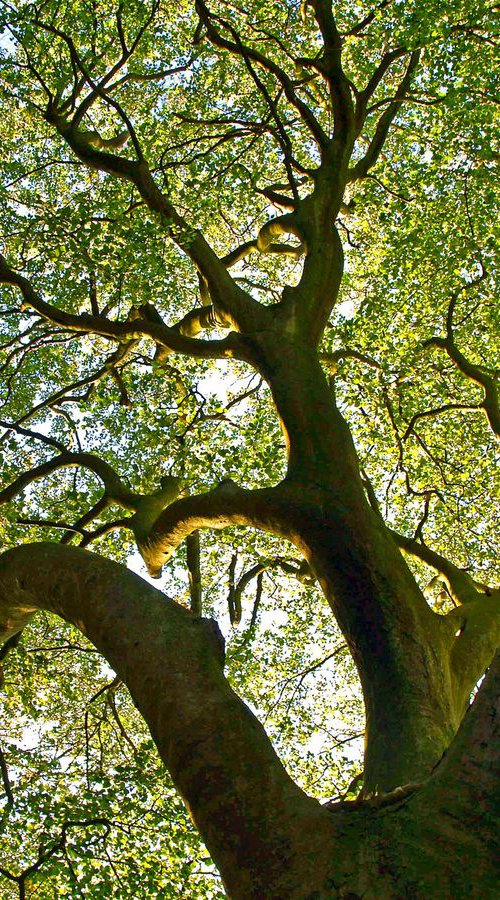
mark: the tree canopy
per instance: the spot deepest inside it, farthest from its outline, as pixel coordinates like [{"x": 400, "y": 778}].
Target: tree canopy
[{"x": 171, "y": 272}]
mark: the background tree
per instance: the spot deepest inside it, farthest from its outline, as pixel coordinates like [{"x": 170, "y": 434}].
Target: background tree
[{"x": 311, "y": 190}]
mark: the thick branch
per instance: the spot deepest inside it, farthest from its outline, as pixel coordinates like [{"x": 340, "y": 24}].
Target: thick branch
[
  {"x": 242, "y": 800},
  {"x": 475, "y": 624},
  {"x": 227, "y": 504},
  {"x": 146, "y": 507},
  {"x": 330, "y": 66},
  {"x": 84, "y": 323}
]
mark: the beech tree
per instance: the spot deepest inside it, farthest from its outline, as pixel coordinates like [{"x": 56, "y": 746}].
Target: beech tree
[{"x": 248, "y": 331}]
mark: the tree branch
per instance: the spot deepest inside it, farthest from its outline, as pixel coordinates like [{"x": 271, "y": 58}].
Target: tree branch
[
  {"x": 330, "y": 66},
  {"x": 225, "y": 292},
  {"x": 333, "y": 358},
  {"x": 136, "y": 328},
  {"x": 375, "y": 147},
  {"x": 360, "y": 26},
  {"x": 463, "y": 588},
  {"x": 6, "y": 779},
  {"x": 27, "y": 432},
  {"x": 365, "y": 95},
  {"x": 430, "y": 413},
  {"x": 115, "y": 489},
  {"x": 490, "y": 403},
  {"x": 218, "y": 754},
  {"x": 227, "y": 504},
  {"x": 236, "y": 47}
]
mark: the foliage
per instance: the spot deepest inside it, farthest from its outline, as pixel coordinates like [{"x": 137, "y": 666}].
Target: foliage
[{"x": 418, "y": 234}]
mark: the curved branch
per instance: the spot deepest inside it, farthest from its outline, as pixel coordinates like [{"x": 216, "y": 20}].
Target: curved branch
[
  {"x": 93, "y": 151},
  {"x": 301, "y": 571},
  {"x": 463, "y": 588},
  {"x": 218, "y": 754},
  {"x": 490, "y": 403},
  {"x": 60, "y": 395},
  {"x": 223, "y": 289},
  {"x": 430, "y": 413},
  {"x": 146, "y": 507},
  {"x": 474, "y": 627},
  {"x": 279, "y": 249},
  {"x": 115, "y": 489},
  {"x": 285, "y": 224},
  {"x": 227, "y": 504},
  {"x": 136, "y": 328}
]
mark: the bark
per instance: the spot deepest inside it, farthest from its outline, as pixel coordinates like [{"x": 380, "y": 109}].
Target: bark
[
  {"x": 415, "y": 666},
  {"x": 401, "y": 648},
  {"x": 437, "y": 839},
  {"x": 441, "y": 839},
  {"x": 260, "y": 828}
]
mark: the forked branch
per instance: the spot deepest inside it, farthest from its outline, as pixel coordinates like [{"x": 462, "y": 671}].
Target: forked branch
[
  {"x": 133, "y": 328},
  {"x": 375, "y": 147}
]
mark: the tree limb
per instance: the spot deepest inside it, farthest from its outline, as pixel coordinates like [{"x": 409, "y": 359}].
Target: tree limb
[
  {"x": 136, "y": 328},
  {"x": 226, "y": 504},
  {"x": 462, "y": 586},
  {"x": 490, "y": 403},
  {"x": 115, "y": 489},
  {"x": 240, "y": 49},
  {"x": 330, "y": 66},
  {"x": 225, "y": 292},
  {"x": 361, "y": 168},
  {"x": 218, "y": 754}
]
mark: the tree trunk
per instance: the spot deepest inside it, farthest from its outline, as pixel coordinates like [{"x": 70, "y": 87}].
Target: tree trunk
[
  {"x": 267, "y": 837},
  {"x": 401, "y": 648}
]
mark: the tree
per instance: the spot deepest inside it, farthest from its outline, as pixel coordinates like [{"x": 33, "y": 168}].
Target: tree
[{"x": 313, "y": 188}]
